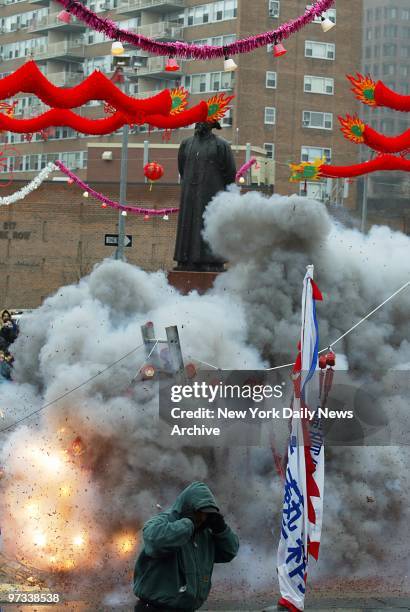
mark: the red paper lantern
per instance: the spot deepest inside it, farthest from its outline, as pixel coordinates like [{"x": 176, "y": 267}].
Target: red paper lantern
[
  {"x": 153, "y": 171},
  {"x": 322, "y": 362},
  {"x": 331, "y": 359},
  {"x": 172, "y": 65}
]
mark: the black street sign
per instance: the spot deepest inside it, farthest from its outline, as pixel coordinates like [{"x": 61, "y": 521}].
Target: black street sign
[{"x": 112, "y": 240}]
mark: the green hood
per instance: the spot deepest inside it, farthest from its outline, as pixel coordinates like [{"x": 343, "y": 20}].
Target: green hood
[
  {"x": 196, "y": 496},
  {"x": 174, "y": 568}
]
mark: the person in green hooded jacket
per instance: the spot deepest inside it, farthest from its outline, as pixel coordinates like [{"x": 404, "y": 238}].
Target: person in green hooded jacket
[{"x": 174, "y": 569}]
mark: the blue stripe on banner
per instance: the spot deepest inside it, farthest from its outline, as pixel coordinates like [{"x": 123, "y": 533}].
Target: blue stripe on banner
[{"x": 315, "y": 352}]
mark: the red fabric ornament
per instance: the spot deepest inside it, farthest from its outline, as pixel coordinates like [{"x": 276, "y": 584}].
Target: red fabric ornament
[{"x": 153, "y": 171}]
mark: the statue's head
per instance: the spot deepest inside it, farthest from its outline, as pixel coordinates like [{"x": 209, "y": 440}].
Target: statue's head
[{"x": 206, "y": 127}]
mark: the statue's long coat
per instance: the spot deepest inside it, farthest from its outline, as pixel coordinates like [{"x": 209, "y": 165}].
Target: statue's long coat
[{"x": 206, "y": 165}]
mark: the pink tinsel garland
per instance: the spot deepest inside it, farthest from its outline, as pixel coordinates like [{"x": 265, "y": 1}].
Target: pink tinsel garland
[
  {"x": 102, "y": 198},
  {"x": 188, "y": 50}
]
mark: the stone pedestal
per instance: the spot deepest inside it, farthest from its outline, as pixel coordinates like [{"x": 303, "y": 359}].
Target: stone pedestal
[{"x": 191, "y": 281}]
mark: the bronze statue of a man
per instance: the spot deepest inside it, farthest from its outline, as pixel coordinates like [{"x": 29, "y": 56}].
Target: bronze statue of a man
[{"x": 206, "y": 165}]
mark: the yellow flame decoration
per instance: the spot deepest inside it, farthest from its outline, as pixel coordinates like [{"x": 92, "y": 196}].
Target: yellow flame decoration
[
  {"x": 353, "y": 128},
  {"x": 363, "y": 88}
]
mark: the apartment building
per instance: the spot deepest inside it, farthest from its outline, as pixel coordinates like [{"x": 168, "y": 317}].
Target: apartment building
[
  {"x": 386, "y": 56},
  {"x": 287, "y": 105}
]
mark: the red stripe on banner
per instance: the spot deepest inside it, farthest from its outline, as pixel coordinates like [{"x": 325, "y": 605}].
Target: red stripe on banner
[
  {"x": 316, "y": 293},
  {"x": 313, "y": 549},
  {"x": 286, "y": 604},
  {"x": 311, "y": 487}
]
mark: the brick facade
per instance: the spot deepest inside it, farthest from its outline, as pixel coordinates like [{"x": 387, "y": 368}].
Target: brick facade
[{"x": 55, "y": 237}]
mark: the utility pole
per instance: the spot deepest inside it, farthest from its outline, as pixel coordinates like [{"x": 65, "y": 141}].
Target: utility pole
[
  {"x": 364, "y": 205},
  {"x": 119, "y": 253}
]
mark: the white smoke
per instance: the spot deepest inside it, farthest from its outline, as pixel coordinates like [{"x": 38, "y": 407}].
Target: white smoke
[{"x": 118, "y": 467}]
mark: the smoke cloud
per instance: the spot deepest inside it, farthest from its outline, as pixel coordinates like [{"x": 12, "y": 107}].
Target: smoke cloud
[{"x": 85, "y": 473}]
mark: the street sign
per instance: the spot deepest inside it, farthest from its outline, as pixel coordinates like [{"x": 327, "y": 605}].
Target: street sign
[{"x": 112, "y": 240}]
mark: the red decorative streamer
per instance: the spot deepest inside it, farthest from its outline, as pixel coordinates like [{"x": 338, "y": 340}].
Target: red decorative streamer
[
  {"x": 382, "y": 162},
  {"x": 378, "y": 94},
  {"x": 356, "y": 131},
  {"x": 29, "y": 79},
  {"x": 112, "y": 203},
  {"x": 63, "y": 117},
  {"x": 386, "y": 144},
  {"x": 389, "y": 98},
  {"x": 189, "y": 50}
]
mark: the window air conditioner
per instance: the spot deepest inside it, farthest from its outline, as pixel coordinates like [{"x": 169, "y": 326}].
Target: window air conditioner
[
  {"x": 329, "y": 89},
  {"x": 308, "y": 87},
  {"x": 328, "y": 124},
  {"x": 305, "y": 123},
  {"x": 274, "y": 13},
  {"x": 305, "y": 157},
  {"x": 330, "y": 55},
  {"x": 309, "y": 52}
]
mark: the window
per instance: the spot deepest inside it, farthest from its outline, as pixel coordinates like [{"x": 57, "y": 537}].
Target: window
[
  {"x": 271, "y": 80},
  {"x": 390, "y": 13},
  {"x": 274, "y": 8},
  {"x": 404, "y": 51},
  {"x": 405, "y": 14},
  {"x": 320, "y": 50},
  {"x": 404, "y": 71},
  {"x": 310, "y": 154},
  {"x": 390, "y": 31},
  {"x": 378, "y": 13},
  {"x": 317, "y": 120},
  {"x": 316, "y": 191},
  {"x": 198, "y": 83},
  {"x": 390, "y": 50},
  {"x": 320, "y": 85},
  {"x": 330, "y": 14},
  {"x": 209, "y": 81},
  {"x": 227, "y": 120},
  {"x": 270, "y": 150},
  {"x": 387, "y": 125},
  {"x": 208, "y": 13},
  {"x": 30, "y": 163},
  {"x": 220, "y": 81},
  {"x": 389, "y": 69},
  {"x": 369, "y": 33},
  {"x": 270, "y": 115},
  {"x": 369, "y": 14}
]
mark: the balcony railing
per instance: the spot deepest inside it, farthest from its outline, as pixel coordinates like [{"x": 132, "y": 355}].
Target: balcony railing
[
  {"x": 52, "y": 21},
  {"x": 166, "y": 30},
  {"x": 156, "y": 67},
  {"x": 130, "y": 6},
  {"x": 65, "y": 79},
  {"x": 61, "y": 49}
]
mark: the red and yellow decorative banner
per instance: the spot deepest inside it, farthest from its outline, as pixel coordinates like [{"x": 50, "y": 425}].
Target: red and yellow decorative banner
[
  {"x": 355, "y": 130},
  {"x": 307, "y": 171},
  {"x": 166, "y": 110},
  {"x": 377, "y": 94}
]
